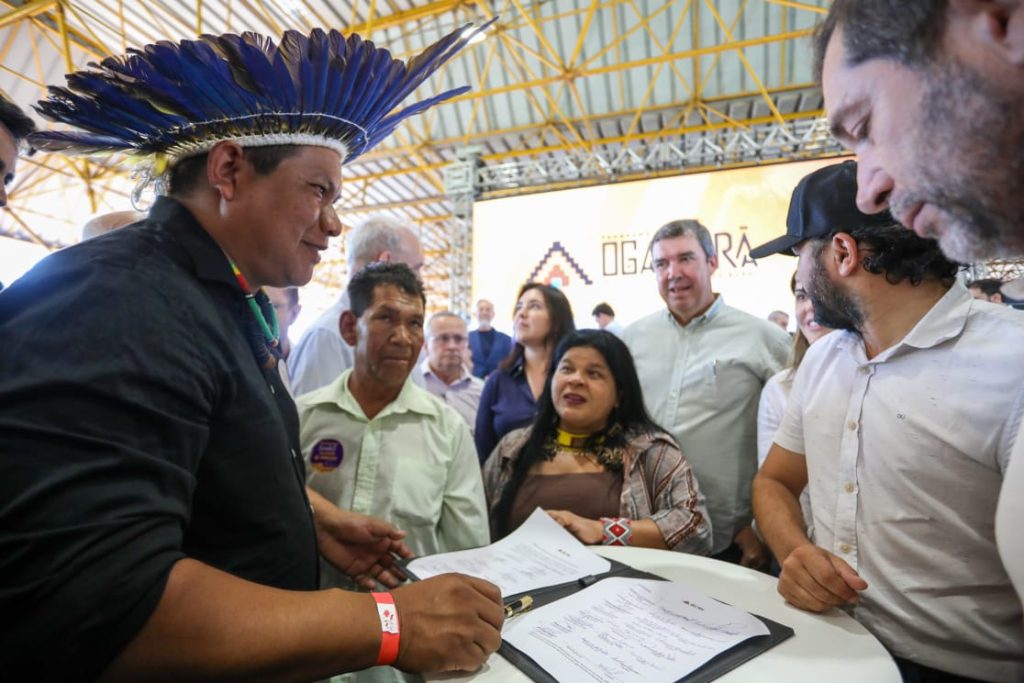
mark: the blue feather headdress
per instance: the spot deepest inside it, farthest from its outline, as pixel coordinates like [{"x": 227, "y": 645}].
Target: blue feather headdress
[{"x": 169, "y": 101}]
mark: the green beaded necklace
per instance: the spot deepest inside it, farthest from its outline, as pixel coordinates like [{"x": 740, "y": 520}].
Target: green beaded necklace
[{"x": 271, "y": 331}]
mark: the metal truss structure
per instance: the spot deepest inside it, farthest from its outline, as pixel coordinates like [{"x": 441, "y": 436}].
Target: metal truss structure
[{"x": 724, "y": 148}]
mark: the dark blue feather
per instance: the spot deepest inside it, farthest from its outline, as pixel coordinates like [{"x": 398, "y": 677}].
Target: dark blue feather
[
  {"x": 87, "y": 143},
  {"x": 169, "y": 97}
]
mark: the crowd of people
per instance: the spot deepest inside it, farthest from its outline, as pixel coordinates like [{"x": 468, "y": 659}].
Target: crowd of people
[{"x": 168, "y": 508}]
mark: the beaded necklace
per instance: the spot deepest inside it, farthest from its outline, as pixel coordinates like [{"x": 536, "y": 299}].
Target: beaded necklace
[
  {"x": 266, "y": 348},
  {"x": 610, "y": 458}
]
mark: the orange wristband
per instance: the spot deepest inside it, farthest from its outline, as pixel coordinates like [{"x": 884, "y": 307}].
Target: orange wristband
[{"x": 389, "y": 628}]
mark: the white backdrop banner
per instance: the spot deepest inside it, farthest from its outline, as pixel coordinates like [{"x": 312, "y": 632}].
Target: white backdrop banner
[{"x": 594, "y": 242}]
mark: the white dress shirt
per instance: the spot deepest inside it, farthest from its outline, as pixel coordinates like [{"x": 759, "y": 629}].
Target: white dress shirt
[
  {"x": 463, "y": 394},
  {"x": 1010, "y": 516},
  {"x": 905, "y": 457},
  {"x": 770, "y": 411},
  {"x": 321, "y": 354},
  {"x": 702, "y": 382}
]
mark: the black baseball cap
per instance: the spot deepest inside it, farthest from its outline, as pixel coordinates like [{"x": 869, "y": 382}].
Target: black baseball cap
[{"x": 823, "y": 203}]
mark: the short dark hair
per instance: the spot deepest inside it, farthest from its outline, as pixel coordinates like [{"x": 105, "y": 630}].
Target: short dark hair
[
  {"x": 559, "y": 315},
  {"x": 185, "y": 175},
  {"x": 987, "y": 285},
  {"x": 686, "y": 226},
  {"x": 364, "y": 284},
  {"x": 899, "y": 254},
  {"x": 15, "y": 120},
  {"x": 627, "y": 420},
  {"x": 603, "y": 308},
  {"x": 907, "y": 31}
]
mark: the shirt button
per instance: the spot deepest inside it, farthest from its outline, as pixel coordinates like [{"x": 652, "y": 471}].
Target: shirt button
[
  {"x": 865, "y": 369},
  {"x": 851, "y": 425},
  {"x": 845, "y": 548},
  {"x": 850, "y": 488}
]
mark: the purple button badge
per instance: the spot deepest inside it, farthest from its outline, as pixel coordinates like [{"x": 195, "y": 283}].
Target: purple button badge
[{"x": 326, "y": 455}]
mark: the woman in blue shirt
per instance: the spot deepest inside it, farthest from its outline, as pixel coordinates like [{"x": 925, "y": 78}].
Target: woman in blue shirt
[{"x": 542, "y": 317}]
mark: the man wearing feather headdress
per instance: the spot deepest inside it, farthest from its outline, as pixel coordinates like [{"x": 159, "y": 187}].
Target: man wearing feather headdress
[{"x": 153, "y": 504}]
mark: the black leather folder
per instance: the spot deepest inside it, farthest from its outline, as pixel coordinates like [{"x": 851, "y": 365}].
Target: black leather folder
[{"x": 719, "y": 666}]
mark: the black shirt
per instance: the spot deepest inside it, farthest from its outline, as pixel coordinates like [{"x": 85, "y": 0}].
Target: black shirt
[{"x": 136, "y": 428}]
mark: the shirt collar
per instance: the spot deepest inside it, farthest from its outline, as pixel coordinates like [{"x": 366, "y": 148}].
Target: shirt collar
[
  {"x": 943, "y": 321},
  {"x": 208, "y": 258},
  {"x": 411, "y": 399},
  {"x": 465, "y": 378},
  {"x": 707, "y": 316}
]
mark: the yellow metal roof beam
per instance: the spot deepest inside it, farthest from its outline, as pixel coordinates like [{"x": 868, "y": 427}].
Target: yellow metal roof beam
[
  {"x": 621, "y": 37},
  {"x": 657, "y": 70},
  {"x": 27, "y": 10},
  {"x": 800, "y": 5},
  {"x": 530, "y": 128},
  {"x": 650, "y": 61},
  {"x": 578, "y": 48},
  {"x": 718, "y": 58},
  {"x": 398, "y": 18},
  {"x": 552, "y": 102},
  {"x": 746, "y": 63}
]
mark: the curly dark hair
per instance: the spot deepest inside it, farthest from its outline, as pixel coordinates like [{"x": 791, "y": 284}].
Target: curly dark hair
[
  {"x": 907, "y": 31},
  {"x": 366, "y": 280},
  {"x": 899, "y": 254},
  {"x": 626, "y": 421}
]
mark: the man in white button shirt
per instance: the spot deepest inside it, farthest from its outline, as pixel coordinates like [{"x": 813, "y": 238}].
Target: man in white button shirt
[
  {"x": 321, "y": 354},
  {"x": 444, "y": 372},
  {"x": 942, "y": 84},
  {"x": 901, "y": 424},
  {"x": 702, "y": 365}
]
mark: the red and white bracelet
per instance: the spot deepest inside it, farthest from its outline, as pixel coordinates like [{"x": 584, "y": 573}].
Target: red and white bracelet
[
  {"x": 617, "y": 530},
  {"x": 389, "y": 628}
]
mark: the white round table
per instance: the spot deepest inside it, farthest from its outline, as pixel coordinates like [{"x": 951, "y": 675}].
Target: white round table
[{"x": 825, "y": 648}]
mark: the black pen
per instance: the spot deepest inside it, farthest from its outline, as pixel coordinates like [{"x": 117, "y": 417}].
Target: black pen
[{"x": 518, "y": 606}]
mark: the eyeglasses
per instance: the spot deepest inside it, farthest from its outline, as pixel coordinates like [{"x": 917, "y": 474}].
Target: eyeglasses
[{"x": 450, "y": 339}]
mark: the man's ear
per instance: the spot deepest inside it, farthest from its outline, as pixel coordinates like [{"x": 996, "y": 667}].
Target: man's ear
[
  {"x": 347, "y": 324},
  {"x": 223, "y": 165},
  {"x": 846, "y": 256},
  {"x": 997, "y": 25}
]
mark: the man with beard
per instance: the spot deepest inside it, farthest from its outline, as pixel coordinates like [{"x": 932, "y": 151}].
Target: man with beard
[
  {"x": 902, "y": 480},
  {"x": 958, "y": 174}
]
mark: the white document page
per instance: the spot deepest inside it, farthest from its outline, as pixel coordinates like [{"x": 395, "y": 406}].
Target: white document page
[
  {"x": 629, "y": 630},
  {"x": 538, "y": 554}
]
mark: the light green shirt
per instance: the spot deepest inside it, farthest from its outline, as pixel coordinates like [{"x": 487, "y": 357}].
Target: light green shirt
[
  {"x": 702, "y": 382},
  {"x": 414, "y": 465}
]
